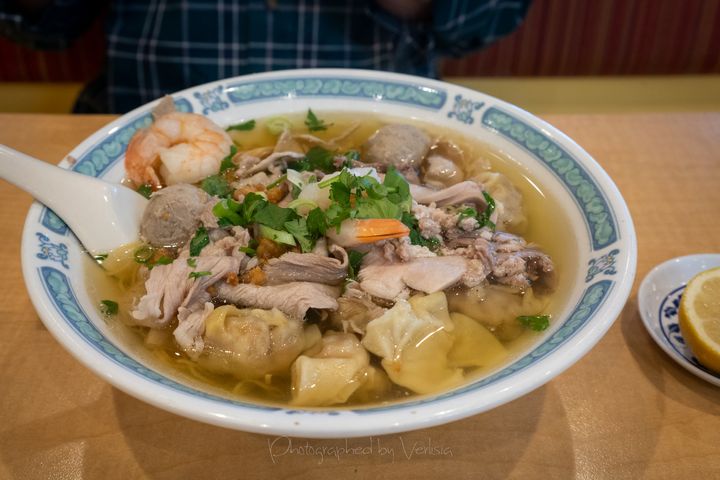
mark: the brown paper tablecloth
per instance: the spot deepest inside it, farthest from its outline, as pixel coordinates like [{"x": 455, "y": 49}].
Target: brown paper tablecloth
[{"x": 625, "y": 410}]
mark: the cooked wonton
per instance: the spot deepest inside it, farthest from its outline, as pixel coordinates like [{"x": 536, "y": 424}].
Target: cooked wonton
[
  {"x": 414, "y": 348},
  {"x": 331, "y": 375},
  {"x": 251, "y": 343}
]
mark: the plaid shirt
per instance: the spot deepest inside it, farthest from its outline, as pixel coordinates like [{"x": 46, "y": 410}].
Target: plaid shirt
[{"x": 160, "y": 46}]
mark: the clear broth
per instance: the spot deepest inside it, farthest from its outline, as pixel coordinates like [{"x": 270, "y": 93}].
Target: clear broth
[{"x": 546, "y": 227}]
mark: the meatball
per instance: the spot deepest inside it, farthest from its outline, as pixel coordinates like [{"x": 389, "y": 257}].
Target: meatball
[
  {"x": 173, "y": 215},
  {"x": 403, "y": 146}
]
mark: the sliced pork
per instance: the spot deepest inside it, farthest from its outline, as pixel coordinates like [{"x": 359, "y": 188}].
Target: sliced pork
[
  {"x": 170, "y": 286},
  {"x": 307, "y": 267},
  {"x": 390, "y": 281},
  {"x": 293, "y": 299}
]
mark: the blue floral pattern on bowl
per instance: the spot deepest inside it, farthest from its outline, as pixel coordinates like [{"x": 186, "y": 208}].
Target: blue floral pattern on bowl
[
  {"x": 57, "y": 252},
  {"x": 464, "y": 108},
  {"x": 604, "y": 264}
]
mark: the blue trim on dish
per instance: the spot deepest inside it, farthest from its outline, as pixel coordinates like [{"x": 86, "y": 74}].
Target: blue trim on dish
[
  {"x": 58, "y": 289},
  {"x": 212, "y": 99},
  {"x": 52, "y": 222},
  {"x": 670, "y": 328},
  {"x": 55, "y": 252},
  {"x": 395, "y": 92},
  {"x": 464, "y": 109},
  {"x": 598, "y": 214}
]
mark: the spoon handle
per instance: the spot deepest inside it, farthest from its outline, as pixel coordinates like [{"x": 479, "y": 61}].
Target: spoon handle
[
  {"x": 102, "y": 215},
  {"x": 58, "y": 188}
]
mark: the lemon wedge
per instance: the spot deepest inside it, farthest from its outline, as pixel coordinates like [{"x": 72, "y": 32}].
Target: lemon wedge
[{"x": 700, "y": 317}]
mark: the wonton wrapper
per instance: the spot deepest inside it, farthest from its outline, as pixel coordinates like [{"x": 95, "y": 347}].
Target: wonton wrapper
[
  {"x": 413, "y": 349},
  {"x": 374, "y": 388},
  {"x": 331, "y": 375},
  {"x": 432, "y": 307},
  {"x": 498, "y": 307},
  {"x": 475, "y": 345},
  {"x": 251, "y": 343}
]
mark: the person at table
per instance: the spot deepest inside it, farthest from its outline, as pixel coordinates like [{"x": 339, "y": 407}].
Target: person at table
[{"x": 155, "y": 48}]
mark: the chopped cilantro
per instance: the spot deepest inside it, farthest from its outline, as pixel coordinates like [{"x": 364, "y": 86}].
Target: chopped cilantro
[
  {"x": 484, "y": 219},
  {"x": 313, "y": 123},
  {"x": 398, "y": 189},
  {"x": 227, "y": 163},
  {"x": 299, "y": 229},
  {"x": 341, "y": 194},
  {"x": 204, "y": 273},
  {"x": 467, "y": 212},
  {"x": 273, "y": 216},
  {"x": 108, "y": 307},
  {"x": 317, "y": 158},
  {"x": 217, "y": 185},
  {"x": 381, "y": 208},
  {"x": 415, "y": 237},
  {"x": 245, "y": 126},
  {"x": 355, "y": 260},
  {"x": 192, "y": 262},
  {"x": 316, "y": 222},
  {"x": 336, "y": 214},
  {"x": 372, "y": 187},
  {"x": 163, "y": 260},
  {"x": 145, "y": 190},
  {"x": 230, "y": 212},
  {"x": 537, "y": 323},
  {"x": 199, "y": 241},
  {"x": 226, "y": 210}
]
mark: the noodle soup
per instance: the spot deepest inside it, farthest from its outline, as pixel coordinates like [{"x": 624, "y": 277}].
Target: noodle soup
[{"x": 447, "y": 337}]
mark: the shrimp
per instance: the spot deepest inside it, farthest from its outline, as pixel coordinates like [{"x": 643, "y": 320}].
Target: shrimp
[
  {"x": 357, "y": 232},
  {"x": 177, "y": 148}
]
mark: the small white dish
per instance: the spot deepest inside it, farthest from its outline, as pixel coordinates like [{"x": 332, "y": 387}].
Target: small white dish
[{"x": 659, "y": 300}]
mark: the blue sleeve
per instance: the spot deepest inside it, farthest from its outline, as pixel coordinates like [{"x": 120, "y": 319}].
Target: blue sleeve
[
  {"x": 54, "y": 27},
  {"x": 457, "y": 27}
]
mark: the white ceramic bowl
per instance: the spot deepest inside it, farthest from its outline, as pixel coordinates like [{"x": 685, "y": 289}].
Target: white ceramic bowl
[{"x": 602, "y": 232}]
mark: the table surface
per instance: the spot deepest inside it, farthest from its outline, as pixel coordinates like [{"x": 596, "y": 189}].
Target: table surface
[{"x": 625, "y": 410}]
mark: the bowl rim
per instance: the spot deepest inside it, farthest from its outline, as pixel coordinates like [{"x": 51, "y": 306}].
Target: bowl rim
[{"x": 329, "y": 423}]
